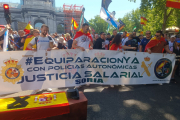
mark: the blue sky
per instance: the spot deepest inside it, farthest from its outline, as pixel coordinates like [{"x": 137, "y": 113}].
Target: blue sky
[{"x": 92, "y": 7}]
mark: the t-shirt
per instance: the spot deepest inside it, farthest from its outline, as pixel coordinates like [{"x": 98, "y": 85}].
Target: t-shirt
[
  {"x": 83, "y": 41},
  {"x": 137, "y": 39},
  {"x": 99, "y": 44},
  {"x": 158, "y": 48},
  {"x": 171, "y": 46},
  {"x": 144, "y": 42},
  {"x": 70, "y": 42},
  {"x": 18, "y": 42},
  {"x": 42, "y": 42},
  {"x": 124, "y": 40},
  {"x": 106, "y": 44},
  {"x": 61, "y": 46},
  {"x": 132, "y": 43}
]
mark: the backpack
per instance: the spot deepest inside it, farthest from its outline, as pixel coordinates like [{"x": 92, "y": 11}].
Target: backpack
[{"x": 36, "y": 39}]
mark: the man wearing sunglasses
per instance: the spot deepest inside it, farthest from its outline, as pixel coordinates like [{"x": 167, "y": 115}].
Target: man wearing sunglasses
[
  {"x": 145, "y": 41},
  {"x": 157, "y": 44},
  {"x": 100, "y": 42},
  {"x": 83, "y": 38}
]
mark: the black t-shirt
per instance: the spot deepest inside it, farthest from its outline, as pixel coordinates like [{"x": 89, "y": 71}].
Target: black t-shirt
[
  {"x": 137, "y": 39},
  {"x": 132, "y": 43},
  {"x": 99, "y": 44},
  {"x": 61, "y": 46},
  {"x": 109, "y": 39}
]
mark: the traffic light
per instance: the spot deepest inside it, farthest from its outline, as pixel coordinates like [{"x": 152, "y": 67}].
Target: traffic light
[{"x": 7, "y": 14}]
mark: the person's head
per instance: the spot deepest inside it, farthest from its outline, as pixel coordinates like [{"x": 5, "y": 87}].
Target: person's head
[
  {"x": 44, "y": 30},
  {"x": 108, "y": 35},
  {"x": 68, "y": 36},
  {"x": 158, "y": 35},
  {"x": 177, "y": 43},
  {"x": 96, "y": 36},
  {"x": 117, "y": 39},
  {"x": 130, "y": 37},
  {"x": 21, "y": 33},
  {"x": 165, "y": 35},
  {"x": 115, "y": 32},
  {"x": 85, "y": 27},
  {"x": 148, "y": 34},
  {"x": 36, "y": 32},
  {"x": 134, "y": 34},
  {"x": 60, "y": 40},
  {"x": 15, "y": 32},
  {"x": 173, "y": 38},
  {"x": 10, "y": 30},
  {"x": 140, "y": 37},
  {"x": 124, "y": 34},
  {"x": 53, "y": 36},
  {"x": 62, "y": 35},
  {"x": 102, "y": 35},
  {"x": 56, "y": 33}
]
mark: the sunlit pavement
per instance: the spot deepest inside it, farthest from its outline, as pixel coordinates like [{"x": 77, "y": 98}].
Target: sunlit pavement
[{"x": 140, "y": 102}]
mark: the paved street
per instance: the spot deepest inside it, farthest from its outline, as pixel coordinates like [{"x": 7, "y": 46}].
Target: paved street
[{"x": 140, "y": 102}]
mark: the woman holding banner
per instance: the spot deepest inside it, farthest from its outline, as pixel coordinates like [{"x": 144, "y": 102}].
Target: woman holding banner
[{"x": 116, "y": 44}]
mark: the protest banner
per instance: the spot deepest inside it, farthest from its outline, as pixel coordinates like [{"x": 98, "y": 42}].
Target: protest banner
[{"x": 27, "y": 70}]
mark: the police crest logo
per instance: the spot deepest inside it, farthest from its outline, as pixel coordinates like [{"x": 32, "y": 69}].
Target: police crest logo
[
  {"x": 11, "y": 72},
  {"x": 163, "y": 68}
]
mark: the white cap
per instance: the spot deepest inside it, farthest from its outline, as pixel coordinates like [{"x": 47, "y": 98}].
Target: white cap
[{"x": 173, "y": 36}]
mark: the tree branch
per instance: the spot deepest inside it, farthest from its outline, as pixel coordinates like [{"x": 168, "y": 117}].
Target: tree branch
[{"x": 170, "y": 13}]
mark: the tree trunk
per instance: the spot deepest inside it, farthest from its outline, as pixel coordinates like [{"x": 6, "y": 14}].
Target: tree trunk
[{"x": 165, "y": 18}]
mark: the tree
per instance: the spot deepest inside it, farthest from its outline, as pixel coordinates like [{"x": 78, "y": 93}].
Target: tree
[
  {"x": 60, "y": 28},
  {"x": 159, "y": 8},
  {"x": 98, "y": 24}
]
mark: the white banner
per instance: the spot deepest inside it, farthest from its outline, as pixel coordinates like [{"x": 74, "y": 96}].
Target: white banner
[{"x": 27, "y": 70}]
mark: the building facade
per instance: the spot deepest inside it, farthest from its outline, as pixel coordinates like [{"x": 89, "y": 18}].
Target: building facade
[{"x": 38, "y": 12}]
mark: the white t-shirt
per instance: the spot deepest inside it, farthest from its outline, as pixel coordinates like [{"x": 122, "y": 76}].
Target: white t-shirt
[
  {"x": 171, "y": 46},
  {"x": 42, "y": 43},
  {"x": 124, "y": 40},
  {"x": 83, "y": 41}
]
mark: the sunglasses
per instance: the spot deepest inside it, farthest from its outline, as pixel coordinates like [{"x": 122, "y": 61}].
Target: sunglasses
[
  {"x": 157, "y": 35},
  {"x": 148, "y": 33}
]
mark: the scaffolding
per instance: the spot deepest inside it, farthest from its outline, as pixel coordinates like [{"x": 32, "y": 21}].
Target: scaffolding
[{"x": 69, "y": 12}]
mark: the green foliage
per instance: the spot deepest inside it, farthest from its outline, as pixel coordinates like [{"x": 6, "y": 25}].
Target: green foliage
[{"x": 98, "y": 24}]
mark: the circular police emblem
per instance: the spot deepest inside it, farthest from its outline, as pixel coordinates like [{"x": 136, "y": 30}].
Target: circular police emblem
[
  {"x": 12, "y": 73},
  {"x": 163, "y": 68}
]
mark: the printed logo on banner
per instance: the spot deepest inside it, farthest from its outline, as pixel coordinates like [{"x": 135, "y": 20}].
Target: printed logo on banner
[
  {"x": 163, "y": 68},
  {"x": 11, "y": 72},
  {"x": 143, "y": 65}
]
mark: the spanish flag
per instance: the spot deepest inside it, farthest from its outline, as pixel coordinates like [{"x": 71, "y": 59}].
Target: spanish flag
[
  {"x": 28, "y": 28},
  {"x": 27, "y": 41},
  {"x": 143, "y": 21},
  {"x": 153, "y": 42},
  {"x": 74, "y": 23},
  {"x": 80, "y": 33},
  {"x": 173, "y": 3}
]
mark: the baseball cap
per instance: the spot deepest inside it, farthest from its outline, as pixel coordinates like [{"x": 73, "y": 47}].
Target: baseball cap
[
  {"x": 173, "y": 36},
  {"x": 177, "y": 40}
]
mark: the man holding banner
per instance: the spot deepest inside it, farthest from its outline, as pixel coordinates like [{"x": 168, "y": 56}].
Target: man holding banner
[
  {"x": 157, "y": 44},
  {"x": 83, "y": 38}
]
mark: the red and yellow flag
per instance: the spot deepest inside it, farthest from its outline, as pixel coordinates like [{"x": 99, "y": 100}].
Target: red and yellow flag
[
  {"x": 143, "y": 21},
  {"x": 173, "y": 3},
  {"x": 153, "y": 42},
  {"x": 28, "y": 28},
  {"x": 27, "y": 41},
  {"x": 74, "y": 23}
]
